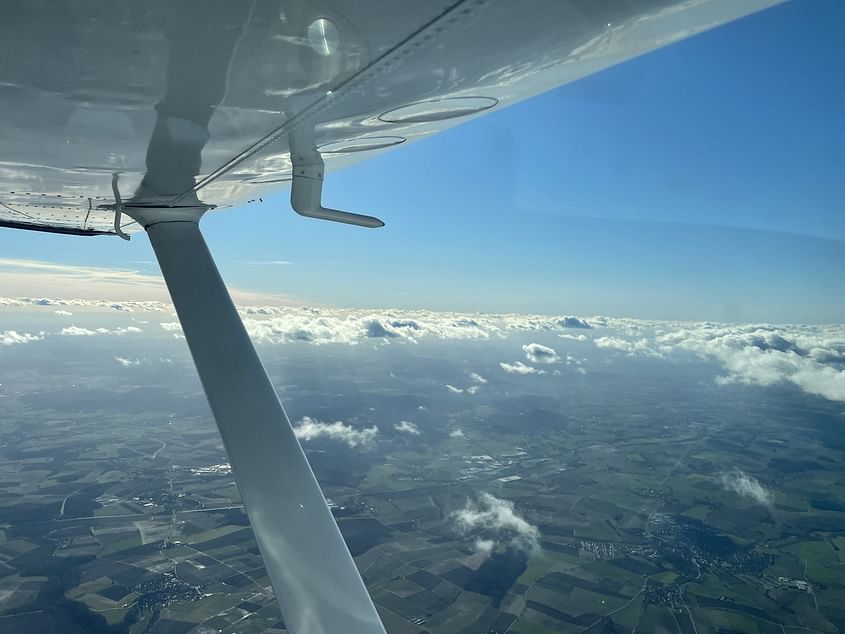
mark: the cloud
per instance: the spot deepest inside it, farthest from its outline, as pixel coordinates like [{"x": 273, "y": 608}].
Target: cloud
[
  {"x": 13, "y": 337},
  {"x": 477, "y": 378},
  {"x": 173, "y": 327},
  {"x": 572, "y": 322},
  {"x": 407, "y": 427},
  {"x": 499, "y": 523},
  {"x": 285, "y": 324},
  {"x": 520, "y": 368},
  {"x": 746, "y": 486},
  {"x": 92, "y": 283},
  {"x": 63, "y": 313},
  {"x": 267, "y": 263},
  {"x": 457, "y": 433},
  {"x": 309, "y": 428},
  {"x": 127, "y": 363},
  {"x": 536, "y": 353},
  {"x": 76, "y": 331},
  {"x": 810, "y": 357},
  {"x": 86, "y": 282},
  {"x": 123, "y": 306},
  {"x": 640, "y": 346},
  {"x": 574, "y": 337},
  {"x": 454, "y": 390}
]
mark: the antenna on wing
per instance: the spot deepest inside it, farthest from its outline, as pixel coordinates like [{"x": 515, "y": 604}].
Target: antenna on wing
[{"x": 306, "y": 190}]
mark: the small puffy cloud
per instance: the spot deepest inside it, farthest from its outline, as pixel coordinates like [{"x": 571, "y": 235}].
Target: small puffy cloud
[
  {"x": 473, "y": 389},
  {"x": 520, "y": 368},
  {"x": 457, "y": 433},
  {"x": 63, "y": 313},
  {"x": 126, "y": 362},
  {"x": 499, "y": 523},
  {"x": 454, "y": 390},
  {"x": 574, "y": 337},
  {"x": 746, "y": 486},
  {"x": 76, "y": 331},
  {"x": 309, "y": 429},
  {"x": 13, "y": 337},
  {"x": 537, "y": 353},
  {"x": 477, "y": 378},
  {"x": 407, "y": 427}
]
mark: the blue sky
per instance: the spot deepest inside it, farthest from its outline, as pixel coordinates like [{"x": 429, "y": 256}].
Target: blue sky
[{"x": 702, "y": 181}]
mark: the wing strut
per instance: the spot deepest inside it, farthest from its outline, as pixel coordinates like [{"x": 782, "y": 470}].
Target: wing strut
[{"x": 315, "y": 579}]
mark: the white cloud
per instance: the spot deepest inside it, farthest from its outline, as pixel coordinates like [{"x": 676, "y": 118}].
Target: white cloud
[
  {"x": 76, "y": 331},
  {"x": 91, "y": 284},
  {"x": 454, "y": 390},
  {"x": 639, "y": 346},
  {"x": 537, "y": 353},
  {"x": 811, "y": 358},
  {"x": 477, "y": 378},
  {"x": 63, "y": 313},
  {"x": 407, "y": 427},
  {"x": 499, "y": 523},
  {"x": 457, "y": 433},
  {"x": 13, "y": 337},
  {"x": 520, "y": 368},
  {"x": 126, "y": 362},
  {"x": 309, "y": 428},
  {"x": 574, "y": 337},
  {"x": 572, "y": 322},
  {"x": 746, "y": 486},
  {"x": 283, "y": 324}
]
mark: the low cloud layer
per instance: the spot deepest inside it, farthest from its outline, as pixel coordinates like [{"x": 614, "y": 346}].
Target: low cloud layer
[
  {"x": 309, "y": 429},
  {"x": 496, "y": 525},
  {"x": 811, "y": 358},
  {"x": 746, "y": 486}
]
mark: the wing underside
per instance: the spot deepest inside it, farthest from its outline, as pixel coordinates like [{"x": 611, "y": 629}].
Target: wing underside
[{"x": 96, "y": 92}]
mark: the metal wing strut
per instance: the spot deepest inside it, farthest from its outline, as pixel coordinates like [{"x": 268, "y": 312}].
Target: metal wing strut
[{"x": 315, "y": 578}]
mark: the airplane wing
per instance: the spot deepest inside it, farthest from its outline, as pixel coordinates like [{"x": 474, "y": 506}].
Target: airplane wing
[
  {"x": 196, "y": 101},
  {"x": 123, "y": 116}
]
